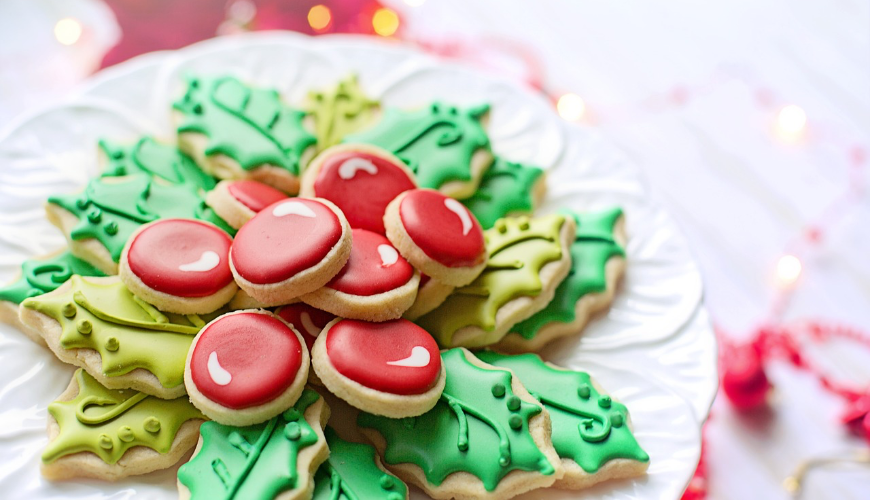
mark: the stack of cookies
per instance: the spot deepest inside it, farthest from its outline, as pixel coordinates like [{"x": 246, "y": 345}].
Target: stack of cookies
[{"x": 218, "y": 287}]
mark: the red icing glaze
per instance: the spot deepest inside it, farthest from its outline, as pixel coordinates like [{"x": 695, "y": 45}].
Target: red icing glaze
[
  {"x": 441, "y": 232},
  {"x": 181, "y": 257},
  {"x": 361, "y": 185},
  {"x": 362, "y": 351},
  {"x": 254, "y": 195},
  {"x": 271, "y": 248},
  {"x": 260, "y": 353},
  {"x": 424, "y": 278},
  {"x": 371, "y": 270},
  {"x": 307, "y": 320}
]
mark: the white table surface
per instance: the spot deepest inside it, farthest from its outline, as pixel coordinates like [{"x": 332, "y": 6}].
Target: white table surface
[{"x": 741, "y": 194}]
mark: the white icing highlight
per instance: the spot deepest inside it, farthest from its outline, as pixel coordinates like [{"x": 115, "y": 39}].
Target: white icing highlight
[
  {"x": 349, "y": 168},
  {"x": 217, "y": 372},
  {"x": 309, "y": 325},
  {"x": 207, "y": 261},
  {"x": 389, "y": 255},
  {"x": 293, "y": 208},
  {"x": 419, "y": 358},
  {"x": 457, "y": 208}
]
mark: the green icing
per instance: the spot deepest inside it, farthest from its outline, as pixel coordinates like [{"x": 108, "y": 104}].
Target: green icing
[
  {"x": 127, "y": 332},
  {"x": 437, "y": 142},
  {"x": 109, "y": 422},
  {"x": 505, "y": 188},
  {"x": 352, "y": 474},
  {"x": 250, "y": 125},
  {"x": 593, "y": 246},
  {"x": 40, "y": 276},
  {"x": 258, "y": 461},
  {"x": 588, "y": 427},
  {"x": 111, "y": 208},
  {"x": 479, "y": 427},
  {"x": 340, "y": 111},
  {"x": 518, "y": 247},
  {"x": 153, "y": 158}
]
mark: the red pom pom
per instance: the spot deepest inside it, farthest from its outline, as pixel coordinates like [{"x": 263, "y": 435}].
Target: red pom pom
[{"x": 744, "y": 381}]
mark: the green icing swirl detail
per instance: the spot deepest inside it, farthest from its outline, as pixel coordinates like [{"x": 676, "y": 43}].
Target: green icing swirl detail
[
  {"x": 468, "y": 430},
  {"x": 588, "y": 427},
  {"x": 258, "y": 461},
  {"x": 250, "y": 125},
  {"x": 506, "y": 188},
  {"x": 436, "y": 142},
  {"x": 39, "y": 276},
  {"x": 351, "y": 473},
  {"x": 340, "y": 111},
  {"x": 150, "y": 157},
  {"x": 109, "y": 422}
]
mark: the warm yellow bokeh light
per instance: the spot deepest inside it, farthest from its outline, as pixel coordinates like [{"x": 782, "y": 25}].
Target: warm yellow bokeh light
[
  {"x": 68, "y": 31},
  {"x": 319, "y": 17},
  {"x": 385, "y": 22},
  {"x": 791, "y": 120},
  {"x": 571, "y": 107},
  {"x": 788, "y": 270}
]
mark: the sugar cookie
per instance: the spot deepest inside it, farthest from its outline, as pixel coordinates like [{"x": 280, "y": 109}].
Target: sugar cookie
[{"x": 238, "y": 201}]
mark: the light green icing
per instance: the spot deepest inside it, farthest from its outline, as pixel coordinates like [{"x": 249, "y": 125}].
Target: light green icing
[
  {"x": 436, "y": 142},
  {"x": 111, "y": 208},
  {"x": 478, "y": 426},
  {"x": 153, "y": 158},
  {"x": 351, "y": 473},
  {"x": 106, "y": 317},
  {"x": 593, "y": 246},
  {"x": 518, "y": 247},
  {"x": 340, "y": 111},
  {"x": 250, "y": 125},
  {"x": 109, "y": 422},
  {"x": 258, "y": 461},
  {"x": 588, "y": 427},
  {"x": 506, "y": 188},
  {"x": 40, "y": 276}
]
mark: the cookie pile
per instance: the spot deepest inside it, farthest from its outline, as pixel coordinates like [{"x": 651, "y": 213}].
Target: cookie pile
[{"x": 217, "y": 289}]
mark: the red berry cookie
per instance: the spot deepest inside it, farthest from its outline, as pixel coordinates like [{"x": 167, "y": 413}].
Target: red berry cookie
[
  {"x": 391, "y": 368},
  {"x": 376, "y": 284},
  {"x": 438, "y": 235},
  {"x": 308, "y": 321},
  {"x": 290, "y": 248},
  {"x": 179, "y": 265},
  {"x": 245, "y": 367},
  {"x": 360, "y": 179},
  {"x": 237, "y": 202}
]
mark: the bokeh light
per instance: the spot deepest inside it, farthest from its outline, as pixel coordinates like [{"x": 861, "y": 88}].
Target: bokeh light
[
  {"x": 571, "y": 107},
  {"x": 385, "y": 22},
  {"x": 791, "y": 120},
  {"x": 68, "y": 31},
  {"x": 788, "y": 270},
  {"x": 319, "y": 17}
]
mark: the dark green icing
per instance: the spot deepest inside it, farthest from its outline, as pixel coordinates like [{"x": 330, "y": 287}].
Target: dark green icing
[
  {"x": 593, "y": 246},
  {"x": 111, "y": 208},
  {"x": 258, "y": 461},
  {"x": 505, "y": 188},
  {"x": 340, "y": 111},
  {"x": 40, "y": 276},
  {"x": 352, "y": 474},
  {"x": 437, "y": 142},
  {"x": 109, "y": 422},
  {"x": 153, "y": 158},
  {"x": 588, "y": 427},
  {"x": 250, "y": 125},
  {"x": 478, "y": 426}
]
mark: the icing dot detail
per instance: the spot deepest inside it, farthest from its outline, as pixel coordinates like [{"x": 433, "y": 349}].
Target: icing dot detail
[
  {"x": 152, "y": 425},
  {"x": 513, "y": 403},
  {"x": 616, "y": 419},
  {"x": 524, "y": 223},
  {"x": 112, "y": 344},
  {"x": 515, "y": 422},
  {"x": 69, "y": 310},
  {"x": 291, "y": 415},
  {"x": 387, "y": 482},
  {"x": 125, "y": 434},
  {"x": 105, "y": 442},
  {"x": 84, "y": 327},
  {"x": 95, "y": 216},
  {"x": 395, "y": 496},
  {"x": 111, "y": 228},
  {"x": 584, "y": 391},
  {"x": 292, "y": 431},
  {"x": 82, "y": 203},
  {"x": 498, "y": 390},
  {"x": 501, "y": 226},
  {"x": 604, "y": 401}
]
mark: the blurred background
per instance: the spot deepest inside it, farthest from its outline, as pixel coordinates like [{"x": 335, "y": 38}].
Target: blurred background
[{"x": 749, "y": 118}]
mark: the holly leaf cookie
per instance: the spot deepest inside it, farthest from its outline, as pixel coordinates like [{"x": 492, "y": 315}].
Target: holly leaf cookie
[
  {"x": 485, "y": 438},
  {"x": 506, "y": 188},
  {"x": 273, "y": 459},
  {"x": 604, "y": 448},
  {"x": 110, "y": 434},
  {"x": 339, "y": 111},
  {"x": 597, "y": 263},
  {"x": 150, "y": 157},
  {"x": 445, "y": 146},
  {"x": 235, "y": 131},
  {"x": 528, "y": 258}
]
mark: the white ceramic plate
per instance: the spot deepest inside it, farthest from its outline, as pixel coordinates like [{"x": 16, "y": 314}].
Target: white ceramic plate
[{"x": 654, "y": 350}]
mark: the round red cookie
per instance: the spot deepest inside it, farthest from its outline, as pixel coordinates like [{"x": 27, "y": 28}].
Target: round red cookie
[
  {"x": 179, "y": 265},
  {"x": 292, "y": 247},
  {"x": 438, "y": 235},
  {"x": 307, "y": 320},
  {"x": 246, "y": 367},
  {"x": 376, "y": 283},
  {"x": 391, "y": 368},
  {"x": 238, "y": 201},
  {"x": 360, "y": 179}
]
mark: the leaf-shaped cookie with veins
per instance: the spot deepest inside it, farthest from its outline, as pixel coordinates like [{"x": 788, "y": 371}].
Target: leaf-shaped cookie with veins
[
  {"x": 485, "y": 424},
  {"x": 591, "y": 432},
  {"x": 42, "y": 275},
  {"x": 339, "y": 111},
  {"x": 110, "y": 423},
  {"x": 506, "y": 188},
  {"x": 150, "y": 157},
  {"x": 276, "y": 457}
]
